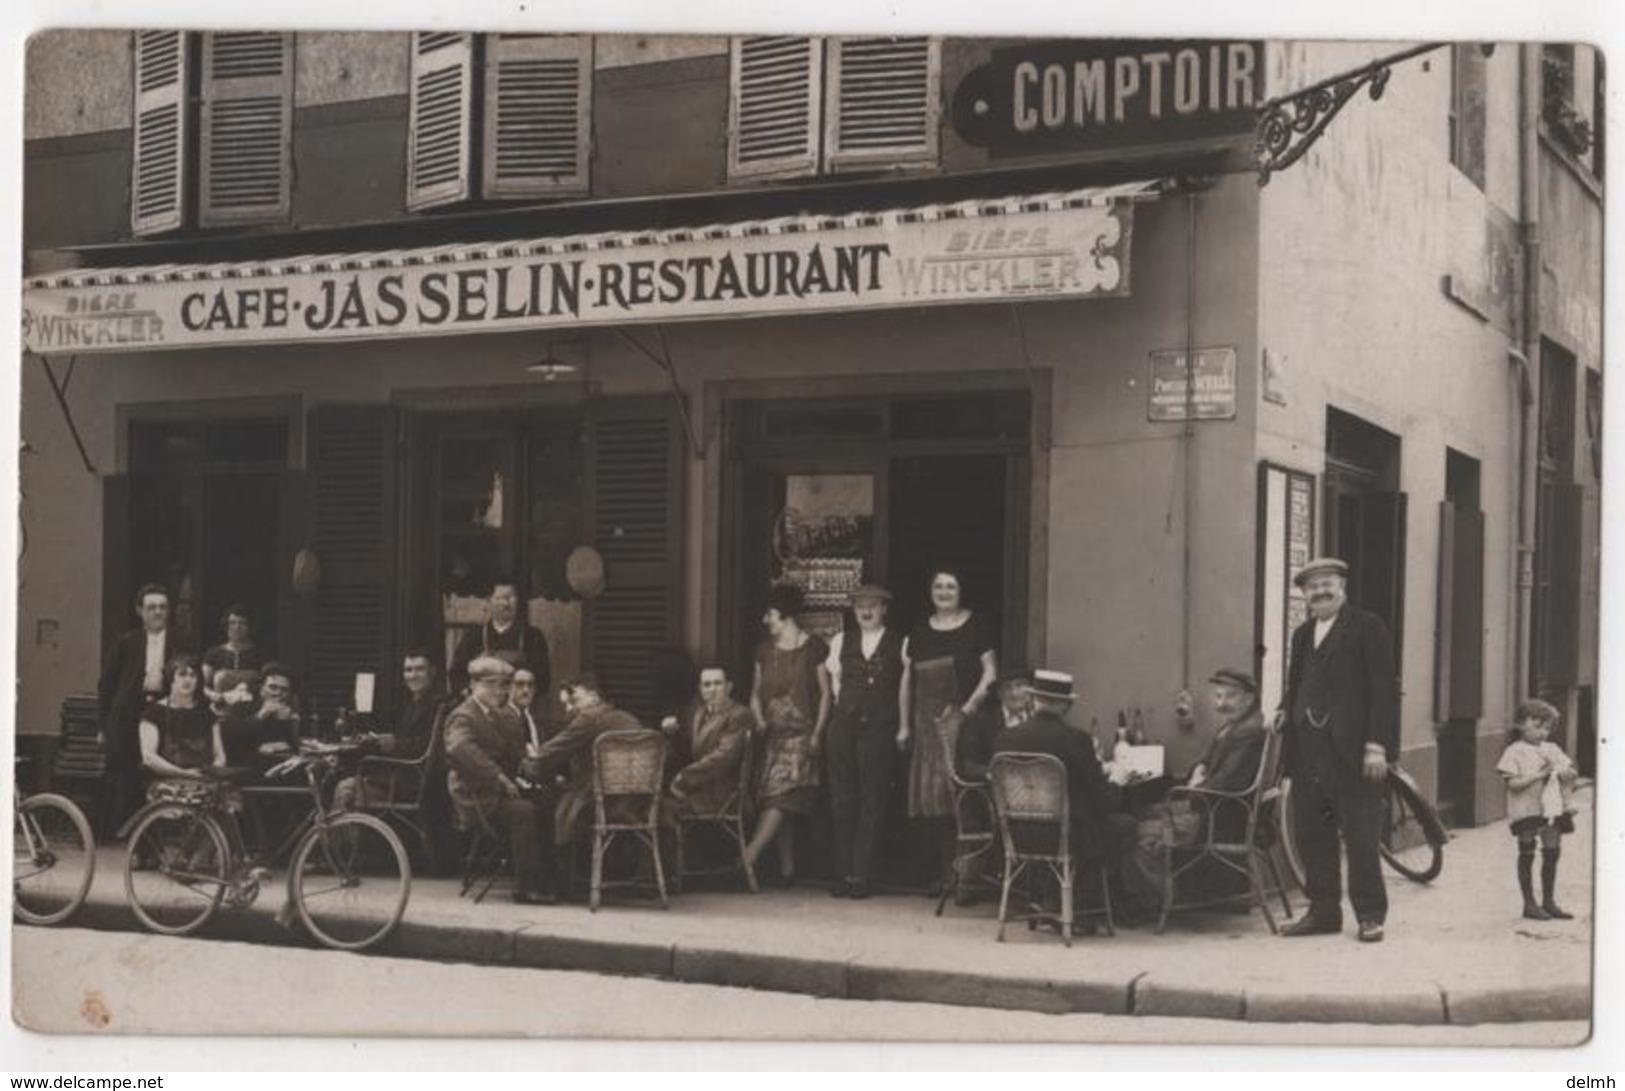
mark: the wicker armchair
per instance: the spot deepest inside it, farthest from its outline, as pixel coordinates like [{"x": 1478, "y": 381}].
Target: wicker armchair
[
  {"x": 627, "y": 777},
  {"x": 1030, "y": 798},
  {"x": 730, "y": 817},
  {"x": 972, "y": 846},
  {"x": 407, "y": 808},
  {"x": 1249, "y": 812}
]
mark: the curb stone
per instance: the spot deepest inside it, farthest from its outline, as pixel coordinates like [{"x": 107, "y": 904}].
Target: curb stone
[
  {"x": 1520, "y": 1004},
  {"x": 1412, "y": 1003},
  {"x": 982, "y": 991},
  {"x": 1189, "y": 1000},
  {"x": 778, "y": 973}
]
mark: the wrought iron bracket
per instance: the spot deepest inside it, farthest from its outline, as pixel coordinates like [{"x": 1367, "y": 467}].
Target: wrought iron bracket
[{"x": 1288, "y": 125}]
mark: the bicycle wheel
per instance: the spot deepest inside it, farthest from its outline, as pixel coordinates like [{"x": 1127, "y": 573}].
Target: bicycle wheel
[
  {"x": 1412, "y": 838},
  {"x": 1288, "y": 834},
  {"x": 176, "y": 868},
  {"x": 53, "y": 859},
  {"x": 351, "y": 878}
]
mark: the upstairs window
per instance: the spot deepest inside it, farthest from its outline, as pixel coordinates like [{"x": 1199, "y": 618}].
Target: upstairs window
[
  {"x": 1572, "y": 102},
  {"x": 1467, "y": 110},
  {"x": 498, "y": 116},
  {"x": 805, "y": 106},
  {"x": 213, "y": 130}
]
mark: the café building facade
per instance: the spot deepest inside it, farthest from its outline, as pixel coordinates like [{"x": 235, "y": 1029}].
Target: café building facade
[{"x": 345, "y": 326}]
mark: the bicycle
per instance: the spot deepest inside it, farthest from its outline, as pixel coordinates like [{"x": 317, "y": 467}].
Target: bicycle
[
  {"x": 53, "y": 859},
  {"x": 1413, "y": 835},
  {"x": 348, "y": 881}
]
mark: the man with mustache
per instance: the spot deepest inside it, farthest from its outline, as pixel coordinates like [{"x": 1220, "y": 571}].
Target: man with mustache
[{"x": 1342, "y": 731}]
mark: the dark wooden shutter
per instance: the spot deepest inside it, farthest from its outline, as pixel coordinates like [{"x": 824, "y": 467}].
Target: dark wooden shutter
[
  {"x": 774, "y": 85},
  {"x": 538, "y": 115},
  {"x": 1467, "y": 90},
  {"x": 162, "y": 132},
  {"x": 634, "y": 519},
  {"x": 881, "y": 102},
  {"x": 1561, "y": 658},
  {"x": 440, "y": 124},
  {"x": 118, "y": 587},
  {"x": 352, "y": 470},
  {"x": 247, "y": 125},
  {"x": 1459, "y": 652},
  {"x": 1378, "y": 583}
]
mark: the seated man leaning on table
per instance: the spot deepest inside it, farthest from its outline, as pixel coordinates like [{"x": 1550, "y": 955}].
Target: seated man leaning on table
[
  {"x": 258, "y": 730},
  {"x": 414, "y": 731},
  {"x": 485, "y": 746},
  {"x": 1098, "y": 830},
  {"x": 1229, "y": 764},
  {"x": 588, "y": 716},
  {"x": 715, "y": 732}
]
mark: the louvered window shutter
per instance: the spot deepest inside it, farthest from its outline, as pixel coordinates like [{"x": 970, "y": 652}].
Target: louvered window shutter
[
  {"x": 882, "y": 101},
  {"x": 162, "y": 133},
  {"x": 352, "y": 497},
  {"x": 634, "y": 504},
  {"x": 538, "y": 115},
  {"x": 774, "y": 92},
  {"x": 440, "y": 120},
  {"x": 247, "y": 126}
]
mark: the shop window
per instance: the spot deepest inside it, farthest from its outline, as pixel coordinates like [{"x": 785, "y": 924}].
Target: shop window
[
  {"x": 524, "y": 133},
  {"x": 1467, "y": 110},
  {"x": 805, "y": 106},
  {"x": 213, "y": 123}
]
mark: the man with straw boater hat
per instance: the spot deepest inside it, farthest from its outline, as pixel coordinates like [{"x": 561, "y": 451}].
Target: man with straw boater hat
[{"x": 1341, "y": 713}]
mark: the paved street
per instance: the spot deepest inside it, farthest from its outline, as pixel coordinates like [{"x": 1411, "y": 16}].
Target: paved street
[
  {"x": 1457, "y": 952},
  {"x": 96, "y": 982}
]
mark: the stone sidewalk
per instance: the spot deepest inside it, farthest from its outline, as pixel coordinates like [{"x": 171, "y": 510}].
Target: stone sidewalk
[{"x": 1457, "y": 950}]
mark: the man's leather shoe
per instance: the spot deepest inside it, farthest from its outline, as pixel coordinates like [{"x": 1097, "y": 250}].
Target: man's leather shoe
[
  {"x": 535, "y": 897},
  {"x": 841, "y": 888},
  {"x": 1556, "y": 913},
  {"x": 1312, "y": 926},
  {"x": 857, "y": 889},
  {"x": 1370, "y": 931}
]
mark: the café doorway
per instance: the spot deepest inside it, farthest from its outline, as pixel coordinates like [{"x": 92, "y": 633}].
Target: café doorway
[{"x": 829, "y": 495}]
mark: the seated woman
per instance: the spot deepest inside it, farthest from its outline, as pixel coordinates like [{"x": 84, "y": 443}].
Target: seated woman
[
  {"x": 180, "y": 738},
  {"x": 1229, "y": 764}
]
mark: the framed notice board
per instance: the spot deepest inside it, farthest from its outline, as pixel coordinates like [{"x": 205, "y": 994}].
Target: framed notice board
[{"x": 1286, "y": 542}]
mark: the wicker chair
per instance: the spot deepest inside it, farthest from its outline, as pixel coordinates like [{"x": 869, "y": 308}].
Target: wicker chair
[
  {"x": 405, "y": 808},
  {"x": 628, "y": 768},
  {"x": 1250, "y": 810},
  {"x": 971, "y": 846},
  {"x": 1030, "y": 799},
  {"x": 730, "y": 817}
]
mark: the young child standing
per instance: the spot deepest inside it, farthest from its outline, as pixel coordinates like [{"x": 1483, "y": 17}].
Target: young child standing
[{"x": 1538, "y": 777}]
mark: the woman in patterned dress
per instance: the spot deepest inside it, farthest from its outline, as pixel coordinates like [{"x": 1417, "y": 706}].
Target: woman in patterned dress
[{"x": 790, "y": 697}]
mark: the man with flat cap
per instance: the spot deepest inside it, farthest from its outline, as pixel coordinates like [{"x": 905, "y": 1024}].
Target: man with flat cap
[
  {"x": 485, "y": 744},
  {"x": 865, "y": 667},
  {"x": 1341, "y": 713}
]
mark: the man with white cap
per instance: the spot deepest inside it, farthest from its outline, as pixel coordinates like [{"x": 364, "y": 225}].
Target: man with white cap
[
  {"x": 1341, "y": 713},
  {"x": 1097, "y": 829}
]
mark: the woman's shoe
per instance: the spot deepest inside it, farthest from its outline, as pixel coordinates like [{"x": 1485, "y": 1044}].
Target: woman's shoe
[{"x": 857, "y": 889}]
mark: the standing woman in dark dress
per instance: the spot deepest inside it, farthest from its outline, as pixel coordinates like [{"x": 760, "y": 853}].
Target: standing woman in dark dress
[
  {"x": 179, "y": 735},
  {"x": 790, "y": 696},
  {"x": 239, "y": 653},
  {"x": 949, "y": 665}
]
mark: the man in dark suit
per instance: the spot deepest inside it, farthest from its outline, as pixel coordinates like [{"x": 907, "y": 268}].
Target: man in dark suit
[
  {"x": 1097, "y": 829},
  {"x": 132, "y": 676},
  {"x": 1342, "y": 731},
  {"x": 505, "y": 635}
]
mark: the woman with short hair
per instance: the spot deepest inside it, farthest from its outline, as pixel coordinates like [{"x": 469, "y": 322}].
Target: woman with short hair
[{"x": 179, "y": 736}]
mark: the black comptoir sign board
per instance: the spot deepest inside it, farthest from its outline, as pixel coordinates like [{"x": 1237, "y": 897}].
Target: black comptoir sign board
[{"x": 1053, "y": 98}]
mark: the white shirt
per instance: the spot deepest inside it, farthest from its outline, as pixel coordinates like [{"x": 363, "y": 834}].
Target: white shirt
[
  {"x": 153, "y": 676},
  {"x": 1322, "y": 627},
  {"x": 868, "y": 641}
]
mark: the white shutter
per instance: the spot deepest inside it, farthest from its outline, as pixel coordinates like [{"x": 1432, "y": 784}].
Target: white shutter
[
  {"x": 158, "y": 176},
  {"x": 440, "y": 119},
  {"x": 774, "y": 88},
  {"x": 537, "y": 139},
  {"x": 247, "y": 123},
  {"x": 882, "y": 102}
]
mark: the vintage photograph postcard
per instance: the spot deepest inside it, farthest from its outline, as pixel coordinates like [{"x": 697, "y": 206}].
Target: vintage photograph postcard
[{"x": 935, "y": 538}]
